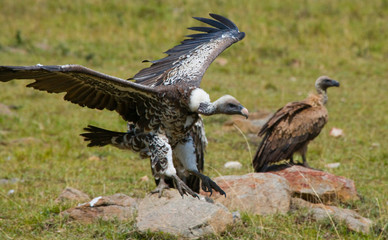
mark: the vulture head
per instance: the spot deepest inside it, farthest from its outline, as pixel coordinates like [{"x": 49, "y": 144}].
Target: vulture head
[
  {"x": 229, "y": 105},
  {"x": 200, "y": 102},
  {"x": 325, "y": 82}
]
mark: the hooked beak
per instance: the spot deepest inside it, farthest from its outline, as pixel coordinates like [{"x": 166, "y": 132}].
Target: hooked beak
[
  {"x": 244, "y": 112},
  {"x": 334, "y": 83}
]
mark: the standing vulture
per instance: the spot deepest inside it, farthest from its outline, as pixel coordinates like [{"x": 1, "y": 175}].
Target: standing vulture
[
  {"x": 163, "y": 111},
  {"x": 292, "y": 127}
]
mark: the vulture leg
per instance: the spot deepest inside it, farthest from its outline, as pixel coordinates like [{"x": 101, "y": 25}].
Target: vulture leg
[
  {"x": 263, "y": 168},
  {"x": 305, "y": 164},
  {"x": 162, "y": 164},
  {"x": 185, "y": 152},
  {"x": 292, "y": 160}
]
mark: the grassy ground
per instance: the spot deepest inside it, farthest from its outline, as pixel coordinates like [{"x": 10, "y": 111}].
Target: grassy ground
[{"x": 288, "y": 45}]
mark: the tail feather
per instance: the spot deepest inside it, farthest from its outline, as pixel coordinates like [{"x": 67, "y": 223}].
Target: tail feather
[{"x": 100, "y": 137}]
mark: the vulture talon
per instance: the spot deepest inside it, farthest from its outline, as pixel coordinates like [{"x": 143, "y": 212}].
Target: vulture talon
[
  {"x": 208, "y": 184},
  {"x": 161, "y": 186},
  {"x": 183, "y": 188}
]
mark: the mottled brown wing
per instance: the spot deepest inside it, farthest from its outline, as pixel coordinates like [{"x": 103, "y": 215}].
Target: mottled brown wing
[
  {"x": 288, "y": 110},
  {"x": 87, "y": 88},
  {"x": 187, "y": 62},
  {"x": 287, "y": 131}
]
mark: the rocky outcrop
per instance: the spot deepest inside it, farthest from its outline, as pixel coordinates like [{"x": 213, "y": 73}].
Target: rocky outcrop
[
  {"x": 118, "y": 206},
  {"x": 257, "y": 193},
  {"x": 316, "y": 186},
  {"x": 72, "y": 194},
  {"x": 352, "y": 219},
  {"x": 293, "y": 188},
  {"x": 185, "y": 217}
]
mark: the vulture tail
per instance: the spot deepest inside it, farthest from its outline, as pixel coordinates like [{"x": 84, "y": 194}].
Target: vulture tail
[{"x": 101, "y": 137}]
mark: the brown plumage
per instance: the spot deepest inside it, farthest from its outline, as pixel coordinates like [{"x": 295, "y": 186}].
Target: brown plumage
[{"x": 292, "y": 127}]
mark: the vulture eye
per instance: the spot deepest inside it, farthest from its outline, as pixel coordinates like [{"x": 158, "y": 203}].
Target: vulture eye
[{"x": 231, "y": 105}]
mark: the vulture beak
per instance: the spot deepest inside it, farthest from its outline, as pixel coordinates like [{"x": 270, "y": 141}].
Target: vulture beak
[
  {"x": 334, "y": 83},
  {"x": 244, "y": 112}
]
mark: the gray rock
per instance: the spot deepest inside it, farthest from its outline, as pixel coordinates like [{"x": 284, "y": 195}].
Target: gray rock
[
  {"x": 188, "y": 217},
  {"x": 118, "y": 206},
  {"x": 353, "y": 220},
  {"x": 257, "y": 193},
  {"x": 72, "y": 194}
]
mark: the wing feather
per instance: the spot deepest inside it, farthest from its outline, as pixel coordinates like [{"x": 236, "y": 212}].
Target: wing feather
[
  {"x": 187, "y": 62},
  {"x": 86, "y": 87}
]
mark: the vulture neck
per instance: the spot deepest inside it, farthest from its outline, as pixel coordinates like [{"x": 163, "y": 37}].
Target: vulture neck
[
  {"x": 208, "y": 109},
  {"x": 323, "y": 94},
  {"x": 200, "y": 102}
]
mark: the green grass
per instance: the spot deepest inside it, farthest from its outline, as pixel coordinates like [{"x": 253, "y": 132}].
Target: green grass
[{"x": 288, "y": 45}]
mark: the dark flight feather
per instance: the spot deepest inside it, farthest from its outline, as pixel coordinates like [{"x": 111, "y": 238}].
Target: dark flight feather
[{"x": 187, "y": 62}]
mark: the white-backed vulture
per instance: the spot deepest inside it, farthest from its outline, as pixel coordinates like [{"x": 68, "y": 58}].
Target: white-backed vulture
[
  {"x": 292, "y": 127},
  {"x": 163, "y": 111}
]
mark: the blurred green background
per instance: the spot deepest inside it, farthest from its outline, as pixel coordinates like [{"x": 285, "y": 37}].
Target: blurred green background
[{"x": 288, "y": 45}]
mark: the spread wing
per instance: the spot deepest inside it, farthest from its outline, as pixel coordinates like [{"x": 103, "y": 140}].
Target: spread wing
[
  {"x": 289, "y": 130},
  {"x": 187, "y": 62},
  {"x": 87, "y": 88}
]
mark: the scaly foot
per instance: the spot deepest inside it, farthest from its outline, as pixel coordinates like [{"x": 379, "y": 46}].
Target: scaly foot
[
  {"x": 208, "y": 185},
  {"x": 182, "y": 187},
  {"x": 161, "y": 186}
]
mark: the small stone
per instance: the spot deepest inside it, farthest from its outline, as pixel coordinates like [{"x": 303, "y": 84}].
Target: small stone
[
  {"x": 233, "y": 165},
  {"x": 333, "y": 165},
  {"x": 12, "y": 191},
  {"x": 336, "y": 132},
  {"x": 94, "y": 158},
  {"x": 72, "y": 194},
  {"x": 236, "y": 216},
  {"x": 144, "y": 178},
  {"x": 375, "y": 145}
]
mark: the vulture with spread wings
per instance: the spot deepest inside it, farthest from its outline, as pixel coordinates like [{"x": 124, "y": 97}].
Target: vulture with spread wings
[
  {"x": 292, "y": 127},
  {"x": 162, "y": 106}
]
